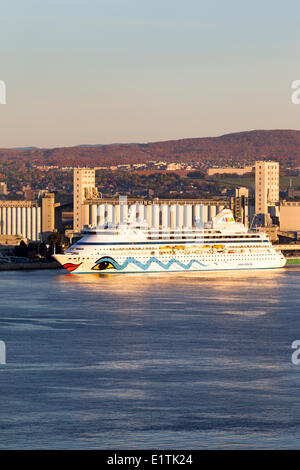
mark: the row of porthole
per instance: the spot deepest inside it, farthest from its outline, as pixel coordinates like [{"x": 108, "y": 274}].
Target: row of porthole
[
  {"x": 213, "y": 255},
  {"x": 164, "y": 258},
  {"x": 206, "y": 257}
]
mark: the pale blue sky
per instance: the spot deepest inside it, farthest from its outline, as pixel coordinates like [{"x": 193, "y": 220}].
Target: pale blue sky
[{"x": 103, "y": 71}]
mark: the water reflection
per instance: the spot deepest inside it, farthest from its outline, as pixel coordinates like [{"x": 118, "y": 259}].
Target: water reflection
[
  {"x": 247, "y": 294},
  {"x": 224, "y": 284}
]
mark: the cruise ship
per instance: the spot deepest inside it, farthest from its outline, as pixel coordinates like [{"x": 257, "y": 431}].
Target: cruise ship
[{"x": 221, "y": 244}]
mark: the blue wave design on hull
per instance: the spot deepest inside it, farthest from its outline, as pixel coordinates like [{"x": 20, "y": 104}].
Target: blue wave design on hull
[{"x": 144, "y": 267}]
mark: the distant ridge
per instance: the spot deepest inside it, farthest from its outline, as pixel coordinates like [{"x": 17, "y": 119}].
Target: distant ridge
[
  {"x": 25, "y": 148},
  {"x": 282, "y": 145}
]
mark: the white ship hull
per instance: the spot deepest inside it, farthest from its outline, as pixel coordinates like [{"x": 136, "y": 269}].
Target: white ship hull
[
  {"x": 138, "y": 264},
  {"x": 225, "y": 245}
]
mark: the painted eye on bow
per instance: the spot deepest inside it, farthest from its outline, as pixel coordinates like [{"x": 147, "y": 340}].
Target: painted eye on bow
[{"x": 103, "y": 266}]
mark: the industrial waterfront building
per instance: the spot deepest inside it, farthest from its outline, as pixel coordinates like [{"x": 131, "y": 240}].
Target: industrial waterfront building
[
  {"x": 230, "y": 171},
  {"x": 89, "y": 209},
  {"x": 167, "y": 213},
  {"x": 290, "y": 216},
  {"x": 29, "y": 219},
  {"x": 239, "y": 204}
]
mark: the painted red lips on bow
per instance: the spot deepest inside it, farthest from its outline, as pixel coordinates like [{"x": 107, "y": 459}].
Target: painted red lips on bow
[{"x": 71, "y": 267}]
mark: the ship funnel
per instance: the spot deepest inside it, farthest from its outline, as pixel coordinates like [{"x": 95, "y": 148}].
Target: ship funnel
[{"x": 224, "y": 217}]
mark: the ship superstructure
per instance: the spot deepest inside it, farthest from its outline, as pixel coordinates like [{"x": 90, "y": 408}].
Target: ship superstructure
[{"x": 222, "y": 244}]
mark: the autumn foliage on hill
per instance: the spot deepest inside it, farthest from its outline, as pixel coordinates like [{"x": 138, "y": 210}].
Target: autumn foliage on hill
[{"x": 282, "y": 145}]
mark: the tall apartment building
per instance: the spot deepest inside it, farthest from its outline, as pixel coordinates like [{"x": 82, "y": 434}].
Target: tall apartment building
[
  {"x": 266, "y": 186},
  {"x": 83, "y": 188}
]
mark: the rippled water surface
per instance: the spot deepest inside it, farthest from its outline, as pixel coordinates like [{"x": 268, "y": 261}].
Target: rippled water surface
[{"x": 186, "y": 361}]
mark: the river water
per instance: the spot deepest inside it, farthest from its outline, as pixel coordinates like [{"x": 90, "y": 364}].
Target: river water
[{"x": 139, "y": 361}]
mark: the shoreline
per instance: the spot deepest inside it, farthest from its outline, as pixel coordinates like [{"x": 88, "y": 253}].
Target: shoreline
[
  {"x": 29, "y": 266},
  {"x": 292, "y": 261}
]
